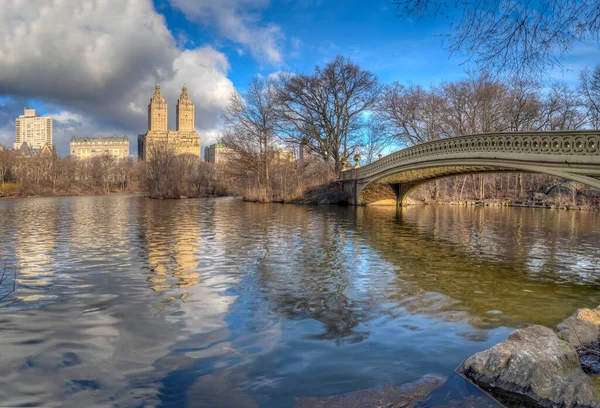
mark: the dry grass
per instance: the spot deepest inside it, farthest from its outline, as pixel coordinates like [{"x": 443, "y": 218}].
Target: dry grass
[{"x": 9, "y": 189}]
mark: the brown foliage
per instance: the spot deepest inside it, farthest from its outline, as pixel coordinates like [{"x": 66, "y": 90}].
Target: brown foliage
[
  {"x": 169, "y": 175},
  {"x": 65, "y": 176}
]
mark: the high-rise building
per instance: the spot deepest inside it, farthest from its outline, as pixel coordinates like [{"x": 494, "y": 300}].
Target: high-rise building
[
  {"x": 158, "y": 111},
  {"x": 185, "y": 112},
  {"x": 88, "y": 147},
  {"x": 33, "y": 129},
  {"x": 184, "y": 139}
]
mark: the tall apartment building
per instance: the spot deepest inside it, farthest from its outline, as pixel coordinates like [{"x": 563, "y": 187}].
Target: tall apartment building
[
  {"x": 88, "y": 147},
  {"x": 184, "y": 139},
  {"x": 33, "y": 129}
]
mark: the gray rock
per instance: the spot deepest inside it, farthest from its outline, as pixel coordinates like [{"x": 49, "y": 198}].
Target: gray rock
[
  {"x": 582, "y": 328},
  {"x": 390, "y": 396},
  {"x": 536, "y": 363}
]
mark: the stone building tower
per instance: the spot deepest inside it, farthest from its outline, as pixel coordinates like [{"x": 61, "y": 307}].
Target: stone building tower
[
  {"x": 157, "y": 112},
  {"x": 185, "y": 112},
  {"x": 184, "y": 140}
]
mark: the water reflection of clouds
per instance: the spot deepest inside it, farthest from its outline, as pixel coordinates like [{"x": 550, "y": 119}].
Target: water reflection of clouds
[
  {"x": 33, "y": 242},
  {"x": 254, "y": 299}
]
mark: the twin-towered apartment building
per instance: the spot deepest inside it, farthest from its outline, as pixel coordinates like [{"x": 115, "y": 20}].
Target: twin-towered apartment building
[
  {"x": 183, "y": 139},
  {"x": 34, "y": 135}
]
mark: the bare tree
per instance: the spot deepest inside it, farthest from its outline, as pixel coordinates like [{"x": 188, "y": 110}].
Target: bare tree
[
  {"x": 413, "y": 114},
  {"x": 562, "y": 109},
  {"x": 326, "y": 110},
  {"x": 377, "y": 139},
  {"x": 522, "y": 105},
  {"x": 522, "y": 36},
  {"x": 7, "y": 159},
  {"x": 475, "y": 105},
  {"x": 161, "y": 176},
  {"x": 249, "y": 129},
  {"x": 590, "y": 92}
]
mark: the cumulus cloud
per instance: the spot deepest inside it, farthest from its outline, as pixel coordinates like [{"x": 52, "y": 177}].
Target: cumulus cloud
[
  {"x": 238, "y": 21},
  {"x": 95, "y": 63}
]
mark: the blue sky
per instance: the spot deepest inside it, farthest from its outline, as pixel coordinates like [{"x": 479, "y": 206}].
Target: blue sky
[
  {"x": 315, "y": 31},
  {"x": 370, "y": 32},
  {"x": 92, "y": 66}
]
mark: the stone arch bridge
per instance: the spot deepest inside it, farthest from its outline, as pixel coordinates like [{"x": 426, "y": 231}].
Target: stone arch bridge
[{"x": 574, "y": 155}]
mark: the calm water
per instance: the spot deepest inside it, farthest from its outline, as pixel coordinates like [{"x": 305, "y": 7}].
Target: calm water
[{"x": 127, "y": 301}]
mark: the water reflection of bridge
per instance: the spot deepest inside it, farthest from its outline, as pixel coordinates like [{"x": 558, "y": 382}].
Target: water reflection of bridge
[
  {"x": 447, "y": 263},
  {"x": 573, "y": 155},
  {"x": 480, "y": 269}
]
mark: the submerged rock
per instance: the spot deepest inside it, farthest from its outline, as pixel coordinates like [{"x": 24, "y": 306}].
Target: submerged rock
[
  {"x": 426, "y": 392},
  {"x": 536, "y": 363},
  {"x": 390, "y": 396},
  {"x": 457, "y": 392}
]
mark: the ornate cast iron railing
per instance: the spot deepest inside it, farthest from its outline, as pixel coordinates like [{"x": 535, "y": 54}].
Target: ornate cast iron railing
[{"x": 560, "y": 143}]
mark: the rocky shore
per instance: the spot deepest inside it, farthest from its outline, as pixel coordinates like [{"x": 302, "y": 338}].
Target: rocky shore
[
  {"x": 534, "y": 367},
  {"x": 557, "y": 367}
]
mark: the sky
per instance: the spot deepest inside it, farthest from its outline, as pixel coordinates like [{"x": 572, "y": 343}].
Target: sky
[{"x": 92, "y": 64}]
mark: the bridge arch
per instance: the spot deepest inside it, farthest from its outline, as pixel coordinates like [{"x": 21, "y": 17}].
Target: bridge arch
[{"x": 572, "y": 155}]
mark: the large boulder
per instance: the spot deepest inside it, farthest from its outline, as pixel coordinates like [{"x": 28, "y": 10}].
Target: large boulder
[
  {"x": 581, "y": 329},
  {"x": 536, "y": 363}
]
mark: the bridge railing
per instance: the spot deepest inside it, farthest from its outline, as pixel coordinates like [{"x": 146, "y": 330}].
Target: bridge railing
[{"x": 581, "y": 142}]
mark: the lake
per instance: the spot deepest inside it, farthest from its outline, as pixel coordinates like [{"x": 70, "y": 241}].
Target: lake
[{"x": 127, "y": 301}]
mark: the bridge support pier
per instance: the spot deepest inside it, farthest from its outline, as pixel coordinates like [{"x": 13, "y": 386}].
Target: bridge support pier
[{"x": 402, "y": 190}]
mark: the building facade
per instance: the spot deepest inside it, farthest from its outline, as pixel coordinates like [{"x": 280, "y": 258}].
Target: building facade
[
  {"x": 184, "y": 139},
  {"x": 282, "y": 156},
  {"x": 27, "y": 151},
  {"x": 88, "y": 147},
  {"x": 33, "y": 129},
  {"x": 218, "y": 153}
]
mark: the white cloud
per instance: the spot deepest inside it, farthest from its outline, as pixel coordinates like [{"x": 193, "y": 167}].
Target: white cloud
[
  {"x": 238, "y": 21},
  {"x": 296, "y": 45},
  {"x": 95, "y": 63},
  {"x": 66, "y": 117},
  {"x": 209, "y": 137}
]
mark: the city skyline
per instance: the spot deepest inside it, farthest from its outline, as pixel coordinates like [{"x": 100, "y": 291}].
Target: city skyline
[{"x": 211, "y": 47}]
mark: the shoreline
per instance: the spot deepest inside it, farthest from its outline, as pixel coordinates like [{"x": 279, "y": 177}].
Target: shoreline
[
  {"x": 66, "y": 195},
  {"x": 535, "y": 366},
  {"x": 300, "y": 201}
]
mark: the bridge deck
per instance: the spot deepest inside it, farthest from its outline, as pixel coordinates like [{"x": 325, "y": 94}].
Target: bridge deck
[{"x": 570, "y": 154}]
